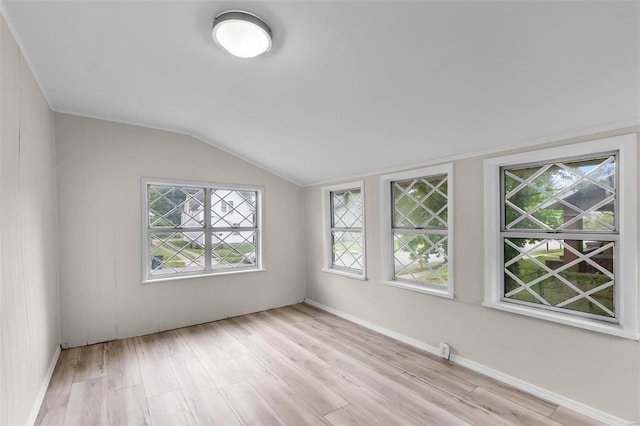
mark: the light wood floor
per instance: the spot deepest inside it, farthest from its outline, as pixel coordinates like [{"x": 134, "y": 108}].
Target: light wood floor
[{"x": 295, "y": 365}]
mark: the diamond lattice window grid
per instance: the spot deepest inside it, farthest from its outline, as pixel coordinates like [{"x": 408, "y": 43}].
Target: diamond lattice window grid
[
  {"x": 198, "y": 230},
  {"x": 560, "y": 234},
  {"x": 233, "y": 209},
  {"x": 347, "y": 250},
  {"x": 346, "y": 229},
  {"x": 580, "y": 278},
  {"x": 343, "y": 228},
  {"x": 420, "y": 203},
  {"x": 571, "y": 270},
  {"x": 421, "y": 258},
  {"x": 561, "y": 196},
  {"x": 420, "y": 227},
  {"x": 173, "y": 206}
]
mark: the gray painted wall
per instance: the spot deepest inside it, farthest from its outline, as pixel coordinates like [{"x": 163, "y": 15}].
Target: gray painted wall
[
  {"x": 596, "y": 369},
  {"x": 100, "y": 166},
  {"x": 29, "y": 316}
]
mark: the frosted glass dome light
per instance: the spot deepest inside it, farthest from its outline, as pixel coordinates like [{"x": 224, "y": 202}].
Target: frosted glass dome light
[{"x": 241, "y": 33}]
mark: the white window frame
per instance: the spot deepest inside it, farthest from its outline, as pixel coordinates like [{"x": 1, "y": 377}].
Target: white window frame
[
  {"x": 626, "y": 242},
  {"x": 327, "y": 214},
  {"x": 386, "y": 232},
  {"x": 146, "y": 259}
]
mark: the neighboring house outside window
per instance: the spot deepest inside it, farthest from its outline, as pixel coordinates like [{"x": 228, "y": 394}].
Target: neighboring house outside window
[
  {"x": 343, "y": 220},
  {"x": 185, "y": 235},
  {"x": 561, "y": 223},
  {"x": 226, "y": 206},
  {"x": 417, "y": 233}
]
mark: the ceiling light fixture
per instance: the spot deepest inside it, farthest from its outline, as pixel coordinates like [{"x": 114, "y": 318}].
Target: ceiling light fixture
[{"x": 242, "y": 34}]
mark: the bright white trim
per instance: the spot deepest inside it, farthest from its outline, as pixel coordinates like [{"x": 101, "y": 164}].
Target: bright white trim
[
  {"x": 535, "y": 390},
  {"x": 43, "y": 388},
  {"x": 213, "y": 274},
  {"x": 567, "y": 319},
  {"x": 344, "y": 273},
  {"x": 434, "y": 291},
  {"x": 146, "y": 181},
  {"x": 626, "y": 275},
  {"x": 327, "y": 255},
  {"x": 386, "y": 237},
  {"x": 527, "y": 143}
]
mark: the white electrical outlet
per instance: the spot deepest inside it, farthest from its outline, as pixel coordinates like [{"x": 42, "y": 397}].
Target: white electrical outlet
[{"x": 445, "y": 349}]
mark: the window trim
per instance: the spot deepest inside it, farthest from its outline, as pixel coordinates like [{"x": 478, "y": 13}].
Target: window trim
[
  {"x": 145, "y": 265},
  {"x": 386, "y": 229},
  {"x": 626, "y": 266},
  {"x": 327, "y": 253}
]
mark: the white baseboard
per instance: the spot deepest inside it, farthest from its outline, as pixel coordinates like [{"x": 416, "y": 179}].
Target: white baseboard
[
  {"x": 472, "y": 365},
  {"x": 43, "y": 388}
]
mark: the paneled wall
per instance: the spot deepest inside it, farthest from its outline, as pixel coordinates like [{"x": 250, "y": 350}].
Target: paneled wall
[
  {"x": 598, "y": 370},
  {"x": 29, "y": 315},
  {"x": 100, "y": 166}
]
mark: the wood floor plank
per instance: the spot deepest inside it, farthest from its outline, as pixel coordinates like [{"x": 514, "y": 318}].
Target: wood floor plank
[
  {"x": 87, "y": 403},
  {"x": 506, "y": 409},
  {"x": 249, "y": 406},
  {"x": 56, "y": 399},
  {"x": 349, "y": 416},
  {"x": 290, "y": 406},
  {"x": 469, "y": 412},
  {"x": 123, "y": 365},
  {"x": 431, "y": 370},
  {"x": 297, "y": 336},
  {"x": 91, "y": 363},
  {"x": 234, "y": 329},
  {"x": 347, "y": 347},
  {"x": 216, "y": 363},
  {"x": 371, "y": 404},
  {"x": 571, "y": 418},
  {"x": 170, "y": 409},
  {"x": 300, "y": 357},
  {"x": 323, "y": 399},
  {"x": 226, "y": 343},
  {"x": 289, "y": 314},
  {"x": 402, "y": 350},
  {"x": 128, "y": 406},
  {"x": 155, "y": 366},
  {"x": 421, "y": 411},
  {"x": 318, "y": 316},
  {"x": 205, "y": 401},
  {"x": 251, "y": 368},
  {"x": 291, "y": 365}
]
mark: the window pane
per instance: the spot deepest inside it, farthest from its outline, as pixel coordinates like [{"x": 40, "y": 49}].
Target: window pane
[
  {"x": 578, "y": 195},
  {"x": 569, "y": 274},
  {"x": 173, "y": 252},
  {"x": 347, "y": 209},
  {"x": 347, "y": 249},
  {"x": 175, "y": 206},
  {"x": 420, "y": 203},
  {"x": 421, "y": 258},
  {"x": 233, "y": 208},
  {"x": 233, "y": 249}
]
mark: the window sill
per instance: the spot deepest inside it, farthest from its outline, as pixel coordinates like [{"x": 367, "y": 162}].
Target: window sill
[
  {"x": 584, "y": 323},
  {"x": 345, "y": 274},
  {"x": 213, "y": 274},
  {"x": 420, "y": 289}
]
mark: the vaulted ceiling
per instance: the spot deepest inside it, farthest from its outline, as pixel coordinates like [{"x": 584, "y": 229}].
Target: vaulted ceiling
[{"x": 349, "y": 86}]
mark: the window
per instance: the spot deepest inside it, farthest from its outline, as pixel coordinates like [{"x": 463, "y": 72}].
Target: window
[
  {"x": 560, "y": 235},
  {"x": 344, "y": 246},
  {"x": 417, "y": 236},
  {"x": 196, "y": 229}
]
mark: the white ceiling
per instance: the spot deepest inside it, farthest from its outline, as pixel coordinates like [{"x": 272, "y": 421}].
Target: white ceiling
[{"x": 349, "y": 86}]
